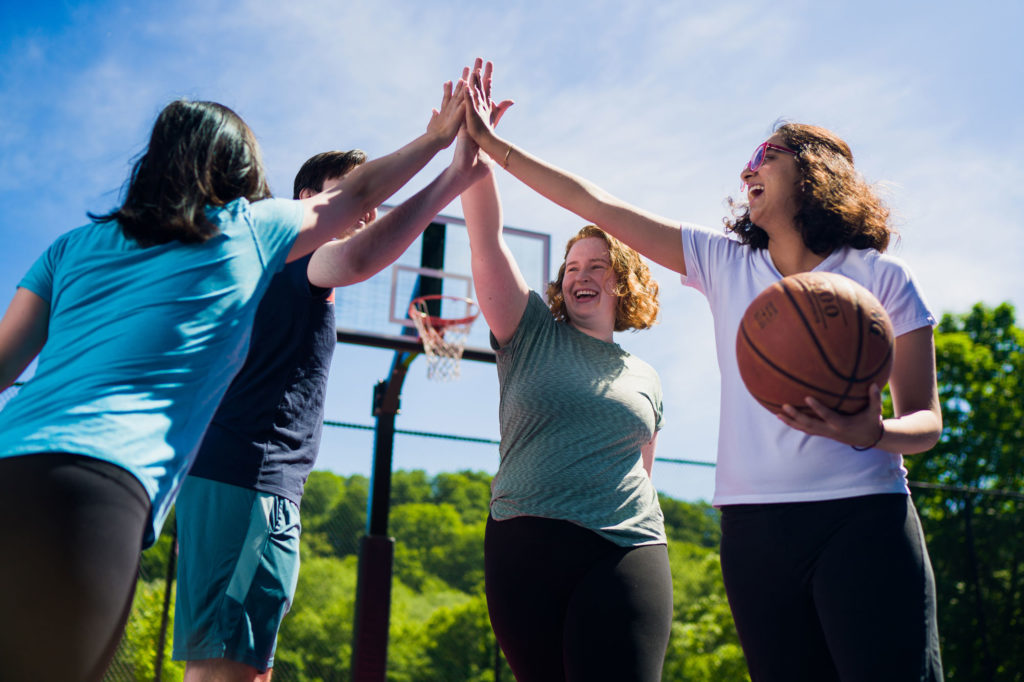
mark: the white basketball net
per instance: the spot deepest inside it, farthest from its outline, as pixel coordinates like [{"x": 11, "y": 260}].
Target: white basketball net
[{"x": 443, "y": 339}]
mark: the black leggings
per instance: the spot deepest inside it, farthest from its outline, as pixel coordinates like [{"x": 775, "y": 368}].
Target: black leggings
[
  {"x": 834, "y": 590},
  {"x": 566, "y": 604},
  {"x": 71, "y": 533}
]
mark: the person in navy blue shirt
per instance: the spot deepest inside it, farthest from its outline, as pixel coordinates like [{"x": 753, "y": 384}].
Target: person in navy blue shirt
[{"x": 238, "y": 511}]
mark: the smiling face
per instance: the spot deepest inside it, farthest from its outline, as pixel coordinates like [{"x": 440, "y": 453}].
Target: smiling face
[
  {"x": 589, "y": 288},
  {"x": 772, "y": 189}
]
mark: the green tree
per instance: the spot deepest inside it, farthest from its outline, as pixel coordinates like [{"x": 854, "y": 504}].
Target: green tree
[
  {"x": 697, "y": 523},
  {"x": 468, "y": 491},
  {"x": 704, "y": 646},
  {"x": 334, "y": 513},
  {"x": 136, "y": 657},
  {"x": 423, "y": 532},
  {"x": 410, "y": 487},
  {"x": 315, "y": 641},
  {"x": 967, "y": 490}
]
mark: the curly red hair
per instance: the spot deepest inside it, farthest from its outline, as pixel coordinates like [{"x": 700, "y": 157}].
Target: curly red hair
[{"x": 637, "y": 291}]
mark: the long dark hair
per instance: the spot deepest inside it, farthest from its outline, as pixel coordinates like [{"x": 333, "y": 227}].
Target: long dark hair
[
  {"x": 837, "y": 207},
  {"x": 200, "y": 154}
]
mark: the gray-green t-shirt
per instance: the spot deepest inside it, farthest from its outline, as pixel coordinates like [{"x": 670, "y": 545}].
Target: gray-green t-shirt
[{"x": 574, "y": 413}]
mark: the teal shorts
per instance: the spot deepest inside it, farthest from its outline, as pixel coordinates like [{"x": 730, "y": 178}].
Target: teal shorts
[{"x": 238, "y": 565}]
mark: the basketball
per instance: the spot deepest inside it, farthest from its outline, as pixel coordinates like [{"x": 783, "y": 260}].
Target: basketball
[{"x": 815, "y": 334}]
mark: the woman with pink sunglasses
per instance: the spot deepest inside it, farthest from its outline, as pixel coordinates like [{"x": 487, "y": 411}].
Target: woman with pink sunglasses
[{"x": 823, "y": 554}]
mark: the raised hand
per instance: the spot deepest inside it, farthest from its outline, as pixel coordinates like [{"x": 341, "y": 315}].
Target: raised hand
[
  {"x": 482, "y": 113},
  {"x": 469, "y": 158},
  {"x": 447, "y": 121}
]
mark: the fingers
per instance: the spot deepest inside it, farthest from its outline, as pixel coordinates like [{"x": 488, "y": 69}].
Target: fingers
[
  {"x": 457, "y": 93},
  {"x": 499, "y": 111},
  {"x": 488, "y": 78},
  {"x": 475, "y": 78},
  {"x": 447, "y": 96},
  {"x": 875, "y": 399}
]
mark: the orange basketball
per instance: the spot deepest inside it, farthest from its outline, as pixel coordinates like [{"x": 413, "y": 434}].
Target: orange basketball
[{"x": 815, "y": 334}]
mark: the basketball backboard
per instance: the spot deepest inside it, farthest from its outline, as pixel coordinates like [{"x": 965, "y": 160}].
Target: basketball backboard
[{"x": 375, "y": 312}]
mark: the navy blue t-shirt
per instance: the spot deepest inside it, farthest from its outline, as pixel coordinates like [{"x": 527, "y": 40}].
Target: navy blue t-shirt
[{"x": 266, "y": 432}]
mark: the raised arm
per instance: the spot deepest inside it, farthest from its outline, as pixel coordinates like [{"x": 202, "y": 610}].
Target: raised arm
[
  {"x": 655, "y": 237},
  {"x": 23, "y": 331},
  {"x": 336, "y": 212},
  {"x": 372, "y": 248},
  {"x": 501, "y": 290}
]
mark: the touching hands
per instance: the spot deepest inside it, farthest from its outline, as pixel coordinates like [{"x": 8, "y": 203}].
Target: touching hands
[
  {"x": 482, "y": 113},
  {"x": 469, "y": 158},
  {"x": 859, "y": 430},
  {"x": 447, "y": 121}
]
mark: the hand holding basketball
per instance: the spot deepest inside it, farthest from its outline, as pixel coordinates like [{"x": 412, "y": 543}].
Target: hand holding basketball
[
  {"x": 860, "y": 431},
  {"x": 818, "y": 335}
]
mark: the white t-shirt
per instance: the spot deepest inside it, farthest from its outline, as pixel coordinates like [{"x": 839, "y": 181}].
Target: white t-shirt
[{"x": 760, "y": 459}]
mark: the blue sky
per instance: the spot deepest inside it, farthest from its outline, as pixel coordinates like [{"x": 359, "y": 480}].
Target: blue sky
[{"x": 660, "y": 103}]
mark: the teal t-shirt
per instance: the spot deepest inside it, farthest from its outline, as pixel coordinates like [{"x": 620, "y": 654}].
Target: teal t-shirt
[
  {"x": 143, "y": 342},
  {"x": 574, "y": 413}
]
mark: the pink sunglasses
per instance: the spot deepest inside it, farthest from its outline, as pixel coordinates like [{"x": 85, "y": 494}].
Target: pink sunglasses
[{"x": 758, "y": 158}]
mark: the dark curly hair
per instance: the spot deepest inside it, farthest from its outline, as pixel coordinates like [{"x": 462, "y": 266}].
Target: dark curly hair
[
  {"x": 836, "y": 206},
  {"x": 200, "y": 154},
  {"x": 637, "y": 291}
]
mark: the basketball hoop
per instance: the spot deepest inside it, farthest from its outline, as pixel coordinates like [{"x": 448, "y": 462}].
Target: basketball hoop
[{"x": 444, "y": 338}]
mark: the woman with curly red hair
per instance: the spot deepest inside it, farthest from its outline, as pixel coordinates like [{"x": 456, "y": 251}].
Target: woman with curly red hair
[
  {"x": 823, "y": 555},
  {"x": 575, "y": 554}
]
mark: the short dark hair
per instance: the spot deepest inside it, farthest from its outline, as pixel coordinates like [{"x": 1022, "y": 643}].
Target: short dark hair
[
  {"x": 837, "y": 206},
  {"x": 320, "y": 167},
  {"x": 199, "y": 154}
]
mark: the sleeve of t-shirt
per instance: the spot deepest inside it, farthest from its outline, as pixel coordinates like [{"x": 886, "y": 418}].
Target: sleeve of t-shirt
[
  {"x": 901, "y": 297},
  {"x": 704, "y": 251},
  {"x": 275, "y": 225},
  {"x": 659, "y": 407},
  {"x": 39, "y": 278},
  {"x": 535, "y": 308}
]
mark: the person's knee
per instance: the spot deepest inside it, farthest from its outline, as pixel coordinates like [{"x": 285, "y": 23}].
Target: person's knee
[{"x": 224, "y": 670}]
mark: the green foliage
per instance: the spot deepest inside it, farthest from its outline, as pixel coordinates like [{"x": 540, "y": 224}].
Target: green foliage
[
  {"x": 154, "y": 561},
  {"x": 439, "y": 628},
  {"x": 315, "y": 642},
  {"x": 975, "y": 532},
  {"x": 697, "y": 523},
  {"x": 468, "y": 491},
  {"x": 704, "y": 644},
  {"x": 334, "y": 513},
  {"x": 136, "y": 657}
]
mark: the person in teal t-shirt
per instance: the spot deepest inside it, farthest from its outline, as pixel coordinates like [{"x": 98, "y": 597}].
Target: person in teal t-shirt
[{"x": 140, "y": 320}]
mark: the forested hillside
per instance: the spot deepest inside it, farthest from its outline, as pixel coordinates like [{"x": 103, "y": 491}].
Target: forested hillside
[{"x": 439, "y": 626}]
